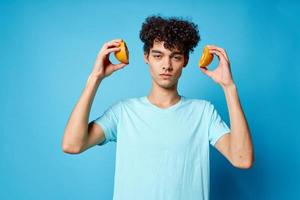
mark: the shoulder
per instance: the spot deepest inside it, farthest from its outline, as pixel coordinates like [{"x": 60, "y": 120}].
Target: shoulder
[
  {"x": 130, "y": 100},
  {"x": 200, "y": 105},
  {"x": 126, "y": 102},
  {"x": 197, "y": 102}
]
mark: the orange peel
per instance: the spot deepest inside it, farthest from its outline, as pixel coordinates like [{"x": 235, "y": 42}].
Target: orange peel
[
  {"x": 123, "y": 54},
  {"x": 206, "y": 57}
]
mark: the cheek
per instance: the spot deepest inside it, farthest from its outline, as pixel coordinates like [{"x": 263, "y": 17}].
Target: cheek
[
  {"x": 178, "y": 72},
  {"x": 152, "y": 71},
  {"x": 155, "y": 68}
]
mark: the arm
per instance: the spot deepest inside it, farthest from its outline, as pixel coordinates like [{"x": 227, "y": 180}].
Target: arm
[
  {"x": 76, "y": 131},
  {"x": 237, "y": 145},
  {"x": 78, "y": 134}
]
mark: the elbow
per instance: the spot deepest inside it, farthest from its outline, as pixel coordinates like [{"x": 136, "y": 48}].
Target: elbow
[
  {"x": 69, "y": 149},
  {"x": 244, "y": 164},
  {"x": 69, "y": 146},
  {"x": 243, "y": 160}
]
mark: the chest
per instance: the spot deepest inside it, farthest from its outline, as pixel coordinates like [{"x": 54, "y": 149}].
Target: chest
[{"x": 171, "y": 131}]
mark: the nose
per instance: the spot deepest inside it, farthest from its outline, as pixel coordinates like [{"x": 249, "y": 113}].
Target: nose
[{"x": 167, "y": 65}]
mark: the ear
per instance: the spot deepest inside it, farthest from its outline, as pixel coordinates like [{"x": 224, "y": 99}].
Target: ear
[
  {"x": 146, "y": 58},
  {"x": 186, "y": 60}
]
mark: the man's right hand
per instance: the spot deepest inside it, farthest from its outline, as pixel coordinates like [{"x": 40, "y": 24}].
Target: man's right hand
[{"x": 103, "y": 67}]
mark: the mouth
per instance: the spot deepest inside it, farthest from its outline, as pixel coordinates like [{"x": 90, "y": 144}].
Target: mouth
[{"x": 166, "y": 75}]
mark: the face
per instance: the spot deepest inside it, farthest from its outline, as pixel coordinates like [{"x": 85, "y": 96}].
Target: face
[{"x": 163, "y": 61}]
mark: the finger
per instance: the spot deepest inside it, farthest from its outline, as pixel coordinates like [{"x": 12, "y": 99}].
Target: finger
[
  {"x": 215, "y": 47},
  {"x": 223, "y": 51},
  {"x": 117, "y": 40},
  {"x": 112, "y": 43},
  {"x": 119, "y": 66},
  {"x": 104, "y": 52},
  {"x": 220, "y": 55},
  {"x": 108, "y": 51},
  {"x": 109, "y": 45}
]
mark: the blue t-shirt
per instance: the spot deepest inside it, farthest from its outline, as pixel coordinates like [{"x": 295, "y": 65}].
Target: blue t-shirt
[{"x": 162, "y": 153}]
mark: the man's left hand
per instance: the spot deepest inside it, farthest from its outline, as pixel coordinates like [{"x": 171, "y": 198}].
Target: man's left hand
[{"x": 222, "y": 74}]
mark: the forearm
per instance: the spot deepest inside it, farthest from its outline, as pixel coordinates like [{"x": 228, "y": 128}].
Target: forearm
[
  {"x": 77, "y": 127},
  {"x": 241, "y": 148}
]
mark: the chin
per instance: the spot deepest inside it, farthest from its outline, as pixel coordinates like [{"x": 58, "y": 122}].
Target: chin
[{"x": 167, "y": 85}]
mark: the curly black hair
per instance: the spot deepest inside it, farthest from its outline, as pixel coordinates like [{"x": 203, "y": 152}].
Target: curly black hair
[{"x": 175, "y": 32}]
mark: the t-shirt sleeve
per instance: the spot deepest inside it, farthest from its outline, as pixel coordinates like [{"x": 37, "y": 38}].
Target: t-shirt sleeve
[
  {"x": 109, "y": 121},
  {"x": 216, "y": 126}
]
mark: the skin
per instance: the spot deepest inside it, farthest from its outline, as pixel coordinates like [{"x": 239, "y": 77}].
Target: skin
[
  {"x": 79, "y": 134},
  {"x": 164, "y": 92},
  {"x": 236, "y": 146}
]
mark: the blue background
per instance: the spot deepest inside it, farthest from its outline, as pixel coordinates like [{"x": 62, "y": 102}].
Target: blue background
[{"x": 47, "y": 50}]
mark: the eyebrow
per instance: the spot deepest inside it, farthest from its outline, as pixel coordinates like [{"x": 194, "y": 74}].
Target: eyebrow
[{"x": 172, "y": 54}]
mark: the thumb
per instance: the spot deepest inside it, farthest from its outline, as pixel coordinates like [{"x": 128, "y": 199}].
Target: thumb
[
  {"x": 119, "y": 66},
  {"x": 205, "y": 71}
]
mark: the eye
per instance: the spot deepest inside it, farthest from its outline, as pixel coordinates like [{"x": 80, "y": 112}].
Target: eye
[
  {"x": 177, "y": 58},
  {"x": 157, "y": 56}
]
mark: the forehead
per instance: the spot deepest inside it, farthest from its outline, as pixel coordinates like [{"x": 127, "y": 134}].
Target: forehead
[{"x": 158, "y": 47}]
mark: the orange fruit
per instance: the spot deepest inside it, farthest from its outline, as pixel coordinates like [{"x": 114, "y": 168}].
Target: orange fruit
[
  {"x": 123, "y": 54},
  {"x": 206, "y": 58}
]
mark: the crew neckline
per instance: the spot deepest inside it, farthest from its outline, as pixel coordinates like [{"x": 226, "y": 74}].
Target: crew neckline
[{"x": 172, "y": 107}]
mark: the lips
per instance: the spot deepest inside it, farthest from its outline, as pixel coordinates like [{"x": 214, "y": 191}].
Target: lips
[{"x": 165, "y": 74}]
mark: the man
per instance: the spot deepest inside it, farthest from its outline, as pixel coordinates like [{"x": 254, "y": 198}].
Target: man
[{"x": 163, "y": 138}]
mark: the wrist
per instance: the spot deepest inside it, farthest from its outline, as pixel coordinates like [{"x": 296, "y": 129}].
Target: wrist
[
  {"x": 230, "y": 86},
  {"x": 94, "y": 79}
]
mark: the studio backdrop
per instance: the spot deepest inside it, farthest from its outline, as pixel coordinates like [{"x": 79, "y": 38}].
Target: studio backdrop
[{"x": 47, "y": 51}]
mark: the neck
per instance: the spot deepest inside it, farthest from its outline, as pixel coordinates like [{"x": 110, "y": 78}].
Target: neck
[{"x": 163, "y": 97}]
